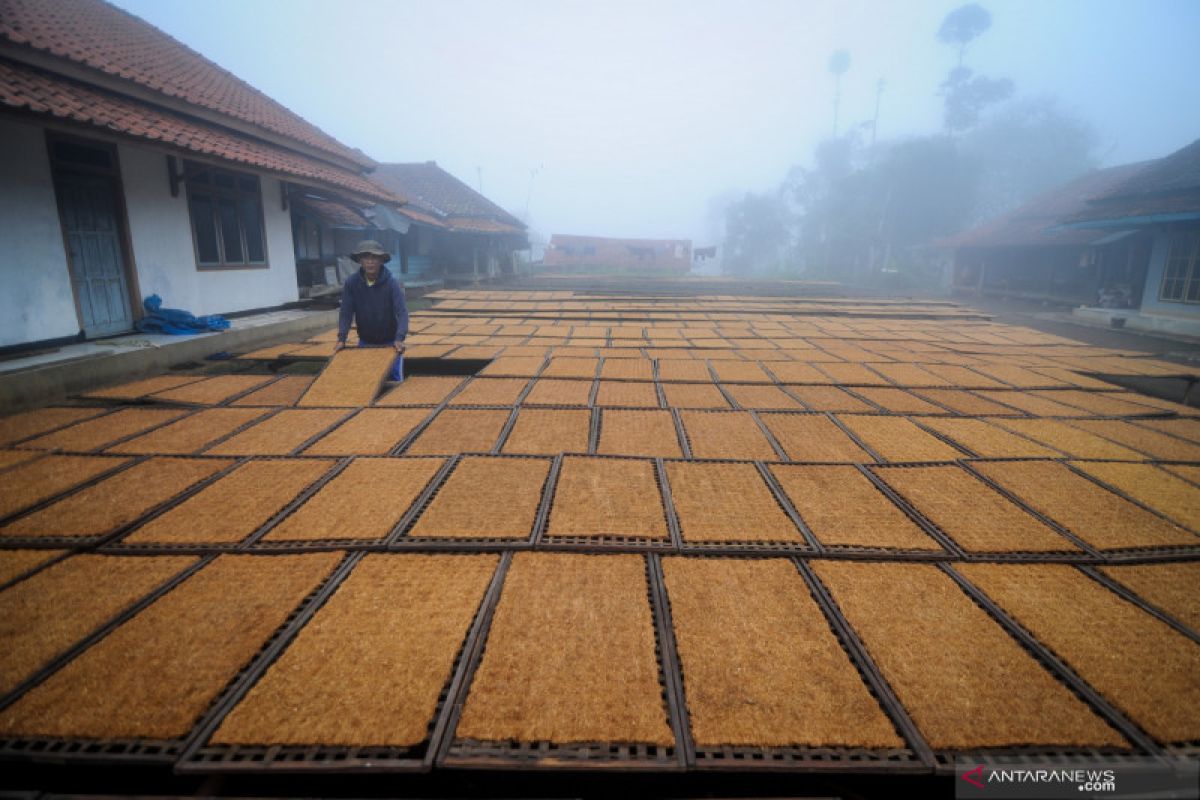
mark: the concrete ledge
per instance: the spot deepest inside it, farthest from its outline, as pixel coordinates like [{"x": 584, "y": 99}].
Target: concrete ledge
[
  {"x": 48, "y": 378},
  {"x": 1132, "y": 319}
]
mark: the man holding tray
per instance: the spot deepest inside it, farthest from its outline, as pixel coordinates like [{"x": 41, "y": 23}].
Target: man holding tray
[{"x": 374, "y": 300}]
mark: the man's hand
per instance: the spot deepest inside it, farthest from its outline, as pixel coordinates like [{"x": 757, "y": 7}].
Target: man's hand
[
  {"x": 338, "y": 346},
  {"x": 399, "y": 347}
]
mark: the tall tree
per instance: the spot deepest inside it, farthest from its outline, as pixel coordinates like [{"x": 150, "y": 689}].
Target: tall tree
[
  {"x": 756, "y": 235},
  {"x": 963, "y": 25},
  {"x": 966, "y": 94}
]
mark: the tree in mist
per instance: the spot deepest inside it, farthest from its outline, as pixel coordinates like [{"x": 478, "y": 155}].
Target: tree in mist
[
  {"x": 963, "y": 25},
  {"x": 866, "y": 213},
  {"x": 858, "y": 216},
  {"x": 811, "y": 195},
  {"x": 967, "y": 95},
  {"x": 1024, "y": 148},
  {"x": 839, "y": 62},
  {"x": 756, "y": 234},
  {"x": 964, "y": 93}
]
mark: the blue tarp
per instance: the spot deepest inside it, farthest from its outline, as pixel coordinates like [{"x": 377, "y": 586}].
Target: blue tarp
[{"x": 176, "y": 321}]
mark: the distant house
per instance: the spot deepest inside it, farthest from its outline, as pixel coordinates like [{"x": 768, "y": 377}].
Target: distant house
[
  {"x": 131, "y": 165},
  {"x": 445, "y": 230},
  {"x": 633, "y": 255},
  {"x": 454, "y": 232},
  {"x": 1025, "y": 253},
  {"x": 1161, "y": 202}
]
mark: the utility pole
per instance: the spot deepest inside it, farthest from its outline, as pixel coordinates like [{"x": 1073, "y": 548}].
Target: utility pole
[
  {"x": 533, "y": 173},
  {"x": 479, "y": 177}
]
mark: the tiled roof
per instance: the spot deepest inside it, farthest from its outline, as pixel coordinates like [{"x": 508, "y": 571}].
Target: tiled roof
[
  {"x": 1179, "y": 171},
  {"x": 1171, "y": 186},
  {"x": 1033, "y": 224},
  {"x": 476, "y": 225},
  {"x": 27, "y": 89},
  {"x": 410, "y": 211},
  {"x": 335, "y": 214},
  {"x": 438, "y": 193},
  {"x": 105, "y": 38}
]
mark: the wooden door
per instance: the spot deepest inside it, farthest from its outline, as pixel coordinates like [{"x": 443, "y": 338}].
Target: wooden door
[{"x": 85, "y": 180}]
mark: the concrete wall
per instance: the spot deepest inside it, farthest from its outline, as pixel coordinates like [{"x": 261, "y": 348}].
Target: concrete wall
[
  {"x": 1154, "y": 274},
  {"x": 36, "y": 301},
  {"x": 162, "y": 245}
]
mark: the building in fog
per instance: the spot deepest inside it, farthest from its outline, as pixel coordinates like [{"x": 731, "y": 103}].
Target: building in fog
[
  {"x": 446, "y": 232},
  {"x": 130, "y": 165},
  {"x": 586, "y": 253},
  {"x": 1120, "y": 243},
  {"x": 1161, "y": 202},
  {"x": 454, "y": 232},
  {"x": 1026, "y": 254}
]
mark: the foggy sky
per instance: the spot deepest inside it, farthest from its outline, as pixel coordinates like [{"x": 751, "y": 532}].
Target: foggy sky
[{"x": 637, "y": 113}]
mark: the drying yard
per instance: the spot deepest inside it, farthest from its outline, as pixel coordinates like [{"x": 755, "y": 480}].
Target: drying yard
[{"x": 625, "y": 533}]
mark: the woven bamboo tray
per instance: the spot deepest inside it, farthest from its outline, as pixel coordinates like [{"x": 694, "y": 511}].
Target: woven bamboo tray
[
  {"x": 814, "y": 438},
  {"x": 598, "y": 497},
  {"x": 372, "y": 431},
  {"x": 719, "y": 434},
  {"x": 579, "y": 629},
  {"x": 283, "y": 392},
  {"x": 351, "y": 378},
  {"x": 1153, "y": 681},
  {"x": 843, "y": 508},
  {"x": 898, "y": 439},
  {"x": 727, "y": 503},
  {"x": 976, "y": 516},
  {"x": 233, "y": 507},
  {"x": 211, "y": 391},
  {"x": 155, "y": 675},
  {"x": 190, "y": 434},
  {"x": 926, "y": 636},
  {"x": 1151, "y": 486},
  {"x": 760, "y": 663},
  {"x": 349, "y": 657},
  {"x": 92, "y": 434},
  {"x": 65, "y": 602},
  {"x": 108, "y": 504},
  {"x": 638, "y": 433},
  {"x": 1097, "y": 516},
  {"x": 485, "y": 498}
]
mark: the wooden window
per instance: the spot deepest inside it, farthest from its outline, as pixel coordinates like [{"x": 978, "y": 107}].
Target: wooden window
[
  {"x": 307, "y": 235},
  {"x": 1181, "y": 277},
  {"x": 227, "y": 218}
]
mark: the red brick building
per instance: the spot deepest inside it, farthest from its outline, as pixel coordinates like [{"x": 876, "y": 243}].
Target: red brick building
[{"x": 634, "y": 255}]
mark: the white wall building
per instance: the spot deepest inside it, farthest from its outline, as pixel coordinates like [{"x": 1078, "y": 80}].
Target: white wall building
[{"x": 131, "y": 165}]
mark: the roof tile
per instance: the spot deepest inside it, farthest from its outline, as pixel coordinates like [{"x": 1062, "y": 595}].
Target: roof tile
[
  {"x": 108, "y": 39},
  {"x": 436, "y": 193},
  {"x": 24, "y": 88}
]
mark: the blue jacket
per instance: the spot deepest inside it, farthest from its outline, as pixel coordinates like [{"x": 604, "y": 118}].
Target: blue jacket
[{"x": 379, "y": 311}]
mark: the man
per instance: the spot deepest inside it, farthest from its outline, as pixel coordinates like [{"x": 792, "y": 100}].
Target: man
[{"x": 375, "y": 301}]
